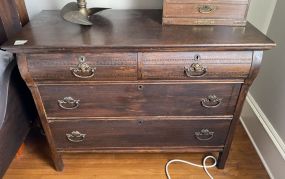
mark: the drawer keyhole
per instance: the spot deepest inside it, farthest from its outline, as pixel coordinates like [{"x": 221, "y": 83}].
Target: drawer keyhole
[
  {"x": 140, "y": 87},
  {"x": 197, "y": 57}
]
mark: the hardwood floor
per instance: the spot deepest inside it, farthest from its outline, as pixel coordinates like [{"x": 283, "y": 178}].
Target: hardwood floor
[{"x": 243, "y": 163}]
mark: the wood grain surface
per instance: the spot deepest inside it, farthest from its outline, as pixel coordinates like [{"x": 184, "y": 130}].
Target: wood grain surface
[
  {"x": 197, "y": 12},
  {"x": 139, "y": 134},
  {"x": 218, "y": 65},
  {"x": 132, "y": 30},
  {"x": 35, "y": 164},
  {"x": 230, "y": 11},
  {"x": 128, "y": 100},
  {"x": 119, "y": 43},
  {"x": 108, "y": 66}
]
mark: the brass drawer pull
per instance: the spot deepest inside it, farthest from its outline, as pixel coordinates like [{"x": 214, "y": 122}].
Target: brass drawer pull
[
  {"x": 204, "y": 135},
  {"x": 76, "y": 137},
  {"x": 83, "y": 70},
  {"x": 195, "y": 70},
  {"x": 211, "y": 101},
  {"x": 68, "y": 103},
  {"x": 206, "y": 9}
]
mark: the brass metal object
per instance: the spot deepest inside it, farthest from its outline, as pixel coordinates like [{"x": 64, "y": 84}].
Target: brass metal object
[
  {"x": 76, "y": 137},
  {"x": 206, "y": 9},
  {"x": 212, "y": 101},
  {"x": 68, "y": 103},
  {"x": 78, "y": 13},
  {"x": 204, "y": 135},
  {"x": 195, "y": 70},
  {"x": 83, "y": 70}
]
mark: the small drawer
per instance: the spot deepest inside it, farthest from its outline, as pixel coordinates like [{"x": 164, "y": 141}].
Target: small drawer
[
  {"x": 139, "y": 99},
  {"x": 205, "y": 12},
  {"x": 195, "y": 65},
  {"x": 121, "y": 134},
  {"x": 83, "y": 67}
]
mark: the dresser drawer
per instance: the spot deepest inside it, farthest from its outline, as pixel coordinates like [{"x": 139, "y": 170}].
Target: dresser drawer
[
  {"x": 83, "y": 67},
  {"x": 143, "y": 99},
  {"x": 205, "y": 12},
  {"x": 195, "y": 65},
  {"x": 118, "y": 134}
]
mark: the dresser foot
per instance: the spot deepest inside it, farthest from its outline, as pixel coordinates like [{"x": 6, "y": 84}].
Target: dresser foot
[
  {"x": 223, "y": 156},
  {"x": 58, "y": 163}
]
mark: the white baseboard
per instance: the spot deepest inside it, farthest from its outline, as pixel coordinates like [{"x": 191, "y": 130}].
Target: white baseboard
[
  {"x": 257, "y": 150},
  {"x": 268, "y": 144}
]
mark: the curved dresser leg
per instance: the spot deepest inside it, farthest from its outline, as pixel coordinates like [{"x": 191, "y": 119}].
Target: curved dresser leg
[{"x": 23, "y": 68}]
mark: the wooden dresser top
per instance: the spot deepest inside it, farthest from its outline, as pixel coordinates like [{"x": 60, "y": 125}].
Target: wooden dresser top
[{"x": 137, "y": 30}]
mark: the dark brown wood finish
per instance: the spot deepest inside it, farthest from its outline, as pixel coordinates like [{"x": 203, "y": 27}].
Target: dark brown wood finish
[
  {"x": 218, "y": 65},
  {"x": 243, "y": 163},
  {"x": 255, "y": 67},
  {"x": 56, "y": 157},
  {"x": 3, "y": 36},
  {"x": 107, "y": 66},
  {"x": 139, "y": 99},
  {"x": 132, "y": 30},
  {"x": 13, "y": 15},
  {"x": 144, "y": 133},
  {"x": 140, "y": 89},
  {"x": 22, "y": 11},
  {"x": 205, "y": 12}
]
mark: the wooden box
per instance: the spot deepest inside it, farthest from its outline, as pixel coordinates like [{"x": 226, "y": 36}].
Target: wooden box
[{"x": 205, "y": 12}]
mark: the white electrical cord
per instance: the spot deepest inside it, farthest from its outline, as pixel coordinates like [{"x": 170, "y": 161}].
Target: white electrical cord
[{"x": 204, "y": 166}]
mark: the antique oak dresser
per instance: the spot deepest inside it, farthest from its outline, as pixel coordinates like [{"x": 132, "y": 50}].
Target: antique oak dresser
[{"x": 129, "y": 84}]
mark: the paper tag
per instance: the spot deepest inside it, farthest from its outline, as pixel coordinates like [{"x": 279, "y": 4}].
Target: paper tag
[{"x": 20, "y": 42}]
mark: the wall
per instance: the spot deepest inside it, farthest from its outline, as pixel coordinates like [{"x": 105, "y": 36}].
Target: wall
[
  {"x": 263, "y": 114},
  {"x": 269, "y": 88},
  {"x": 35, "y": 6},
  {"x": 260, "y": 13}
]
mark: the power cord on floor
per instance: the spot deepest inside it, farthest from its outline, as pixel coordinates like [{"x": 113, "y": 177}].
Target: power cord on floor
[{"x": 204, "y": 166}]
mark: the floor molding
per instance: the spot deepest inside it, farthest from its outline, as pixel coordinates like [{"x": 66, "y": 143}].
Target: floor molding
[
  {"x": 274, "y": 136},
  {"x": 257, "y": 149},
  {"x": 253, "y": 115}
]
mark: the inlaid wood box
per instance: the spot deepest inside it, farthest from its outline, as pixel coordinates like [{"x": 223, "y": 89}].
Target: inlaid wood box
[{"x": 205, "y": 12}]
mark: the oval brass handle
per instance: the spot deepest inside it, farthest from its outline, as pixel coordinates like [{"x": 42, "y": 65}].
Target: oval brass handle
[
  {"x": 204, "y": 135},
  {"x": 83, "y": 70},
  {"x": 211, "y": 101},
  {"x": 76, "y": 137},
  {"x": 195, "y": 70},
  {"x": 68, "y": 103},
  {"x": 206, "y": 9}
]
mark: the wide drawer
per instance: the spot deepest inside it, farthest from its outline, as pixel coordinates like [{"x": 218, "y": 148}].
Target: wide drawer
[
  {"x": 223, "y": 11},
  {"x": 139, "y": 99},
  {"x": 205, "y": 12},
  {"x": 195, "y": 65},
  {"x": 83, "y": 67},
  {"x": 123, "y": 134}
]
